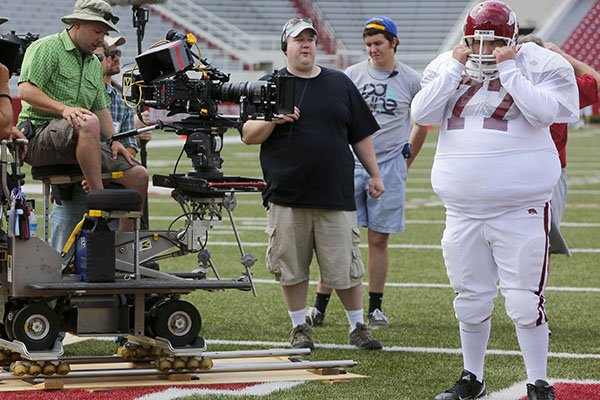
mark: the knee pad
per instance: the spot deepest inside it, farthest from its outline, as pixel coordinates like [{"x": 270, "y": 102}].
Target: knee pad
[
  {"x": 525, "y": 308},
  {"x": 473, "y": 310}
]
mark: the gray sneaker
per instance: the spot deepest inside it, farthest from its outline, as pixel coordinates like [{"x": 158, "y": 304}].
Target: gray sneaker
[
  {"x": 301, "y": 337},
  {"x": 362, "y": 338},
  {"x": 378, "y": 320},
  {"x": 314, "y": 317}
]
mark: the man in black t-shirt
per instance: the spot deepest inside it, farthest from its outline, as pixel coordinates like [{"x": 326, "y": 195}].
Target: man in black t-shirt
[{"x": 309, "y": 169}]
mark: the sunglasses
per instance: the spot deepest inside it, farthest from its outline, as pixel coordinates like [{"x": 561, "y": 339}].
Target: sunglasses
[
  {"x": 100, "y": 57},
  {"x": 114, "y": 53},
  {"x": 105, "y": 14}
]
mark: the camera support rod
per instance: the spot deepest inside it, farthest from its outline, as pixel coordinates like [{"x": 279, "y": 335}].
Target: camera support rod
[
  {"x": 134, "y": 132},
  {"x": 140, "y": 18}
]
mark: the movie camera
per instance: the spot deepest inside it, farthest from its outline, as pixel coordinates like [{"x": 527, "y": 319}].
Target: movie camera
[
  {"x": 12, "y": 50},
  {"x": 170, "y": 76}
]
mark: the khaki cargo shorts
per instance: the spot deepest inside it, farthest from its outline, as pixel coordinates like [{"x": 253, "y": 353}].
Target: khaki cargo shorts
[
  {"x": 55, "y": 144},
  {"x": 294, "y": 233}
]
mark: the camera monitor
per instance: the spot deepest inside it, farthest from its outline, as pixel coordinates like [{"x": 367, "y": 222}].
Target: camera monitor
[
  {"x": 164, "y": 61},
  {"x": 9, "y": 53}
]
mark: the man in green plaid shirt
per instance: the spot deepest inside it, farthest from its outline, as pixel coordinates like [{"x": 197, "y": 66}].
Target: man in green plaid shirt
[
  {"x": 64, "y": 98},
  {"x": 67, "y": 212}
]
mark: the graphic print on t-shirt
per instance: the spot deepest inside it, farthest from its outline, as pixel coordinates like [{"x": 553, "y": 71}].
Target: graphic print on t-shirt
[{"x": 378, "y": 98}]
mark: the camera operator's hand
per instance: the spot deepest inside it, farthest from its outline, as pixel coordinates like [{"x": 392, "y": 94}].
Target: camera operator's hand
[
  {"x": 17, "y": 134},
  {"x": 75, "y": 115},
  {"x": 118, "y": 148},
  {"x": 4, "y": 77},
  {"x": 288, "y": 117},
  {"x": 137, "y": 123},
  {"x": 256, "y": 132}
]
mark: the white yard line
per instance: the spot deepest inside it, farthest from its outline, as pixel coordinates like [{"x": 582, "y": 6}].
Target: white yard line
[
  {"x": 391, "y": 246},
  {"x": 404, "y": 349},
  {"x": 447, "y": 286},
  {"x": 260, "y": 222},
  {"x": 430, "y": 350}
]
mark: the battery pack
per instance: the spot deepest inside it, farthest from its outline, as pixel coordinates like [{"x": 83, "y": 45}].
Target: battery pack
[{"x": 95, "y": 256}]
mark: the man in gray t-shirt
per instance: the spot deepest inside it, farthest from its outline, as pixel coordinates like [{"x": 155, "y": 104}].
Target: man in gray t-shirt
[{"x": 388, "y": 87}]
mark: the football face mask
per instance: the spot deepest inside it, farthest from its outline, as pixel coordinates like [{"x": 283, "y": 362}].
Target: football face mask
[{"x": 489, "y": 25}]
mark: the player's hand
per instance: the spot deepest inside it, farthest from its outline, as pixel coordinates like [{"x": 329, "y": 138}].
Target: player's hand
[
  {"x": 376, "y": 187},
  {"x": 76, "y": 116},
  {"x": 504, "y": 53},
  {"x": 552, "y": 47},
  {"x": 118, "y": 148},
  {"x": 461, "y": 52},
  {"x": 288, "y": 117}
]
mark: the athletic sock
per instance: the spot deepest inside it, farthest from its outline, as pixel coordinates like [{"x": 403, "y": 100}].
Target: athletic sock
[
  {"x": 354, "y": 317},
  {"x": 298, "y": 317},
  {"x": 375, "y": 300},
  {"x": 534, "y": 347},
  {"x": 321, "y": 301},
  {"x": 474, "y": 339}
]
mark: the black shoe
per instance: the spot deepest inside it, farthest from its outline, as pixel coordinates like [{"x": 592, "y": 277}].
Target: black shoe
[
  {"x": 541, "y": 390},
  {"x": 466, "y": 387}
]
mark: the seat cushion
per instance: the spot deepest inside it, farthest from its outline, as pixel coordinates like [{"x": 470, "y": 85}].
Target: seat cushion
[{"x": 114, "y": 200}]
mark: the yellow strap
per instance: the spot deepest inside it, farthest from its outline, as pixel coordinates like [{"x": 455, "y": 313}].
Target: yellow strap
[{"x": 71, "y": 239}]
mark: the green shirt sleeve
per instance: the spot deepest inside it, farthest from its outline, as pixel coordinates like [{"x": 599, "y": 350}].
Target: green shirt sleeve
[{"x": 36, "y": 62}]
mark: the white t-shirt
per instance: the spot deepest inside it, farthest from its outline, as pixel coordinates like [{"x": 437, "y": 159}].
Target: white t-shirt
[{"x": 495, "y": 153}]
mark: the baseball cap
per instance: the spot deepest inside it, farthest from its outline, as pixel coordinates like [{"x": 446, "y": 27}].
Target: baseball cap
[
  {"x": 294, "y": 26},
  {"x": 383, "y": 24},
  {"x": 114, "y": 41},
  {"x": 3, "y": 20},
  {"x": 92, "y": 10}
]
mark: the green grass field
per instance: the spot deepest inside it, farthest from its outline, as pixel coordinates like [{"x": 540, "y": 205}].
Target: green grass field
[{"x": 420, "y": 358}]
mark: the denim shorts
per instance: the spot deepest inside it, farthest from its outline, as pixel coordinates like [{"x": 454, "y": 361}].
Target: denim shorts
[{"x": 386, "y": 213}]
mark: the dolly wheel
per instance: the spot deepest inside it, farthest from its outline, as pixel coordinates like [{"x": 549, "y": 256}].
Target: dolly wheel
[
  {"x": 36, "y": 325},
  {"x": 177, "y": 321}
]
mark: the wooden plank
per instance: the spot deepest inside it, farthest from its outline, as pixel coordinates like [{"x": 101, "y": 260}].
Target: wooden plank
[
  {"x": 326, "y": 371},
  {"x": 49, "y": 385},
  {"x": 204, "y": 378},
  {"x": 180, "y": 377}
]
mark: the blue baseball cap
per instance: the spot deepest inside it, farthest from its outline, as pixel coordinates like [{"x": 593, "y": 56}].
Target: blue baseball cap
[{"x": 383, "y": 24}]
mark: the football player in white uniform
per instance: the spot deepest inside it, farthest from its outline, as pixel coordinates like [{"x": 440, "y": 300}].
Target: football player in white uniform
[{"x": 495, "y": 168}]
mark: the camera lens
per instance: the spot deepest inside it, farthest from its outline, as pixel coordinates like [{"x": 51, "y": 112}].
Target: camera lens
[{"x": 233, "y": 91}]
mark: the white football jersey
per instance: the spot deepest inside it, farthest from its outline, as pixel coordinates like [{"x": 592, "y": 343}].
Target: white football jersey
[{"x": 495, "y": 153}]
